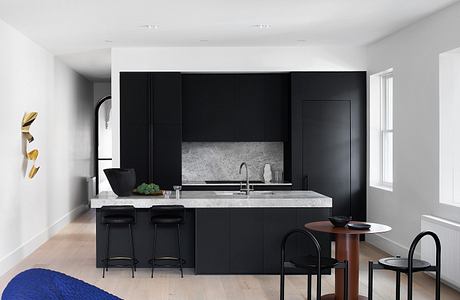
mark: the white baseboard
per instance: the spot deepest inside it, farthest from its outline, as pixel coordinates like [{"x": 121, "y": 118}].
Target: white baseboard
[
  {"x": 389, "y": 246},
  {"x": 14, "y": 257}
]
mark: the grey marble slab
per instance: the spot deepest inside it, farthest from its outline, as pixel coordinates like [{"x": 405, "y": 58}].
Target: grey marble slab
[
  {"x": 220, "y": 199},
  {"x": 221, "y": 160}
]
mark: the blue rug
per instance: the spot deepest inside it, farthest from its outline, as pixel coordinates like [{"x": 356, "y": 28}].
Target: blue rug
[{"x": 42, "y": 284}]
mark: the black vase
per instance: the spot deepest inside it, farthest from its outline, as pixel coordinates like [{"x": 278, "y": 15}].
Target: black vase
[{"x": 122, "y": 181}]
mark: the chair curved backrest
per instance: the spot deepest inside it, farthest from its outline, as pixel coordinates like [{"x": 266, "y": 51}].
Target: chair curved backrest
[
  {"x": 410, "y": 258},
  {"x": 161, "y": 210},
  {"x": 312, "y": 238}
]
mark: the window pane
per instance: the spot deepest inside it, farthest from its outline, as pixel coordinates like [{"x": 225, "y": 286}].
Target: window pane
[
  {"x": 389, "y": 102},
  {"x": 387, "y": 158}
]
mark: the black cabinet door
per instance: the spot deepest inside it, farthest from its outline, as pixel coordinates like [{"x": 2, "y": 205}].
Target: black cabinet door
[
  {"x": 247, "y": 240},
  {"x": 135, "y": 120},
  {"x": 326, "y": 149},
  {"x": 167, "y": 155},
  {"x": 150, "y": 126},
  {"x": 262, "y": 107},
  {"x": 321, "y": 159},
  {"x": 167, "y": 98},
  {"x": 209, "y": 107},
  {"x": 278, "y": 222},
  {"x": 307, "y": 215},
  {"x": 212, "y": 241}
]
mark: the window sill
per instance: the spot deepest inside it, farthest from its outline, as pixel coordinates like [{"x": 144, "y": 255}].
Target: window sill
[
  {"x": 450, "y": 204},
  {"x": 382, "y": 187}
]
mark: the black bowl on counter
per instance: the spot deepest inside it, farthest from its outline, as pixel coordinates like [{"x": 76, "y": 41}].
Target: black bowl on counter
[
  {"x": 122, "y": 181},
  {"x": 339, "y": 221}
]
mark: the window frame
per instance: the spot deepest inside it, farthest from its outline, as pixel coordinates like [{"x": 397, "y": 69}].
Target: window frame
[{"x": 386, "y": 129}]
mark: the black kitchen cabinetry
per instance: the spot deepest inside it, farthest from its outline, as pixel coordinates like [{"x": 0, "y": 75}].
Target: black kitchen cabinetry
[
  {"x": 328, "y": 127},
  {"x": 151, "y": 126},
  {"x": 248, "y": 240},
  {"x": 235, "y": 107}
]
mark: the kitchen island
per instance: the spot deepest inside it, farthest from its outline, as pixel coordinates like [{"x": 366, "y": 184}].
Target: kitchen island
[{"x": 225, "y": 232}]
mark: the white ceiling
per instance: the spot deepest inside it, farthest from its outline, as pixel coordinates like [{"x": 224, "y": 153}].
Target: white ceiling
[{"x": 78, "y": 31}]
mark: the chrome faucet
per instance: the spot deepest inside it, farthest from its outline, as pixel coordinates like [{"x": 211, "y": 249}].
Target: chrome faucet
[{"x": 247, "y": 189}]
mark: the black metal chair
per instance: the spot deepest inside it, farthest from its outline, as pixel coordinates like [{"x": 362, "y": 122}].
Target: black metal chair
[
  {"x": 409, "y": 266},
  {"x": 313, "y": 265},
  {"x": 118, "y": 216},
  {"x": 167, "y": 215}
]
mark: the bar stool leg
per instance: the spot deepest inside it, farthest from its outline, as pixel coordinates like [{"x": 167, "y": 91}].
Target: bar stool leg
[
  {"x": 370, "y": 283},
  {"x": 282, "y": 281},
  {"x": 398, "y": 285},
  {"x": 154, "y": 248},
  {"x": 309, "y": 287},
  {"x": 107, "y": 239},
  {"x": 132, "y": 249},
  {"x": 180, "y": 252}
]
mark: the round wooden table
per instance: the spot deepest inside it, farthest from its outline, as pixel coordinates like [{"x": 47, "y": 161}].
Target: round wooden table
[{"x": 346, "y": 248}]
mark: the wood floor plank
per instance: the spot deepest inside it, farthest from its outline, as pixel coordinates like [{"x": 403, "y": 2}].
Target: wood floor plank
[{"x": 72, "y": 251}]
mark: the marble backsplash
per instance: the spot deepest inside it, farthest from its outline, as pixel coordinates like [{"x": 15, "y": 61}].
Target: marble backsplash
[{"x": 221, "y": 160}]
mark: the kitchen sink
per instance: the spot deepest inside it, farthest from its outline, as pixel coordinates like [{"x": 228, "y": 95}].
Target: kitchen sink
[{"x": 238, "y": 193}]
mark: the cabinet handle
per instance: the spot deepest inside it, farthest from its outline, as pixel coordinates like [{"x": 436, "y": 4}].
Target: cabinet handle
[{"x": 305, "y": 183}]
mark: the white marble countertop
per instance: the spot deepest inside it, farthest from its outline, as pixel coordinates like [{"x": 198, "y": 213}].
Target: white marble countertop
[{"x": 219, "y": 199}]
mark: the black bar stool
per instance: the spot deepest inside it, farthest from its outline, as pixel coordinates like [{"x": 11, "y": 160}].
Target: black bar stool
[
  {"x": 118, "y": 215},
  {"x": 168, "y": 215},
  {"x": 313, "y": 265},
  {"x": 408, "y": 266}
]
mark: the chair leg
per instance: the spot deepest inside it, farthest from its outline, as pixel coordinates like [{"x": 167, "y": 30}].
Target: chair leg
[
  {"x": 438, "y": 283},
  {"x": 282, "y": 281},
  {"x": 133, "y": 265},
  {"x": 179, "y": 242},
  {"x": 107, "y": 239},
  {"x": 154, "y": 248},
  {"x": 398, "y": 285},
  {"x": 345, "y": 281},
  {"x": 309, "y": 287},
  {"x": 370, "y": 281},
  {"x": 409, "y": 286}
]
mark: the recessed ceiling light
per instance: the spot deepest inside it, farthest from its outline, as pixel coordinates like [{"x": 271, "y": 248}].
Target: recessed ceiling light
[
  {"x": 302, "y": 41},
  {"x": 150, "y": 26},
  {"x": 262, "y": 26},
  {"x": 204, "y": 41},
  {"x": 108, "y": 41}
]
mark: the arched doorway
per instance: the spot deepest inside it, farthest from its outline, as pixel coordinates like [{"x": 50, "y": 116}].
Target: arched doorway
[{"x": 103, "y": 142}]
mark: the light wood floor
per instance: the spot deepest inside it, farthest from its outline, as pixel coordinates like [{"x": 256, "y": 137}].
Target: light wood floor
[{"x": 72, "y": 251}]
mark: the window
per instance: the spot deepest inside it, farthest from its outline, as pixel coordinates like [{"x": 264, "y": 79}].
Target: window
[
  {"x": 449, "y": 127},
  {"x": 381, "y": 130}
]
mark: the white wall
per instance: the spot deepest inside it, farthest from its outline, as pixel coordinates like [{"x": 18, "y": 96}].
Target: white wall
[
  {"x": 100, "y": 90},
  {"x": 227, "y": 59},
  {"x": 31, "y": 79},
  {"x": 413, "y": 53}
]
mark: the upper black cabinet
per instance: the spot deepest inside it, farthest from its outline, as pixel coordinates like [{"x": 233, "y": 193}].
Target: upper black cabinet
[
  {"x": 235, "y": 107},
  {"x": 209, "y": 107},
  {"x": 150, "y": 126}
]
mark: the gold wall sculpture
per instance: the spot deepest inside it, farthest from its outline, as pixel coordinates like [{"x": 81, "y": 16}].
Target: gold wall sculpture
[{"x": 32, "y": 155}]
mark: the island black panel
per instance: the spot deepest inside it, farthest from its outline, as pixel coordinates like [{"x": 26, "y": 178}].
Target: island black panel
[
  {"x": 248, "y": 240},
  {"x": 325, "y": 87},
  {"x": 212, "y": 241}
]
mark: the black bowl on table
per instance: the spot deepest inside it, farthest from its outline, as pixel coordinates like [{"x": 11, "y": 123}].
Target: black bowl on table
[
  {"x": 121, "y": 180},
  {"x": 339, "y": 221}
]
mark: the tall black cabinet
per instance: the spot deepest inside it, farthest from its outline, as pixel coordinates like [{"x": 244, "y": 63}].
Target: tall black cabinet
[
  {"x": 328, "y": 127},
  {"x": 151, "y": 126}
]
